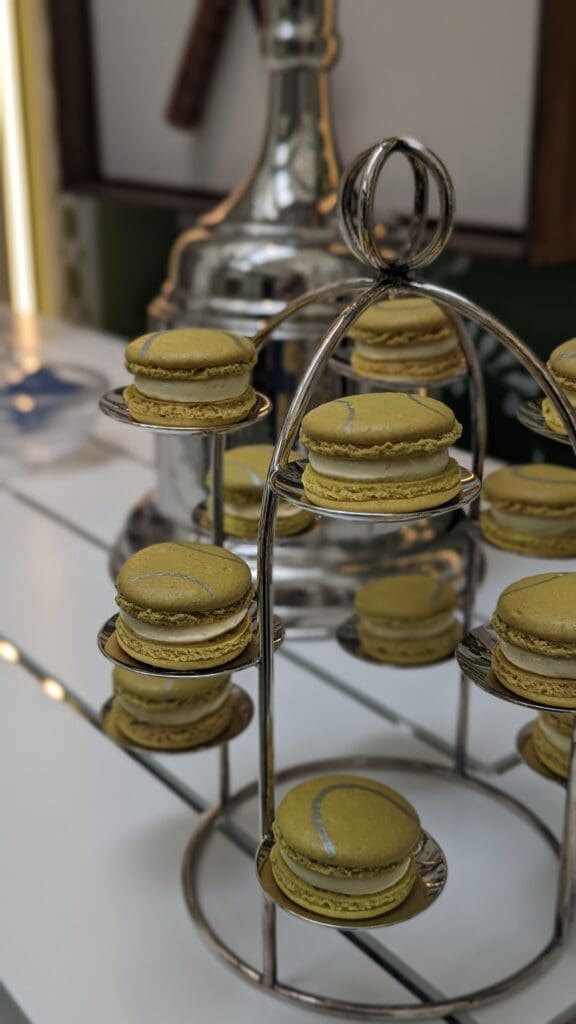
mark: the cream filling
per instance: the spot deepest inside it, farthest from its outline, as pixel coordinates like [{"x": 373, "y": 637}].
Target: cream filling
[
  {"x": 414, "y": 467},
  {"x": 251, "y": 510},
  {"x": 182, "y": 634},
  {"x": 540, "y": 525},
  {"x": 349, "y": 886},
  {"x": 380, "y": 353},
  {"x": 559, "y": 740},
  {"x": 411, "y": 629},
  {"x": 541, "y": 664},
  {"x": 186, "y": 714},
  {"x": 215, "y": 389}
]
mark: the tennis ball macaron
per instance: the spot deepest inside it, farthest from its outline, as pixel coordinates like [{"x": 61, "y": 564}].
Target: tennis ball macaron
[
  {"x": 407, "y": 619},
  {"x": 552, "y": 739},
  {"x": 184, "y": 606},
  {"x": 190, "y": 377},
  {"x": 344, "y": 847},
  {"x": 171, "y": 714},
  {"x": 403, "y": 339},
  {"x": 384, "y": 452},
  {"x": 562, "y": 366},
  {"x": 535, "y": 620},
  {"x": 244, "y": 475},
  {"x": 531, "y": 509}
]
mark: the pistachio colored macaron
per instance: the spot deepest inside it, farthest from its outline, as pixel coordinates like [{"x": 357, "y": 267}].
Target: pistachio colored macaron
[
  {"x": 552, "y": 739},
  {"x": 562, "y": 366},
  {"x": 385, "y": 452},
  {"x": 184, "y": 606},
  {"x": 407, "y": 619},
  {"x": 404, "y": 339},
  {"x": 532, "y": 510},
  {"x": 344, "y": 846},
  {"x": 244, "y": 475},
  {"x": 171, "y": 714},
  {"x": 535, "y": 620},
  {"x": 190, "y": 377}
]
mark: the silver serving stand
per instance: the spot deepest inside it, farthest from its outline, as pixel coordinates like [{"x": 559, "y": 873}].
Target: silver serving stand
[{"x": 393, "y": 277}]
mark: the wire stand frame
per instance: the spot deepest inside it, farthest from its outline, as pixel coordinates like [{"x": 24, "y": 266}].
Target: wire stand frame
[{"x": 393, "y": 278}]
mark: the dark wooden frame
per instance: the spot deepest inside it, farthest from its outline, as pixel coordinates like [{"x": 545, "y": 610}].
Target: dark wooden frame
[{"x": 550, "y": 234}]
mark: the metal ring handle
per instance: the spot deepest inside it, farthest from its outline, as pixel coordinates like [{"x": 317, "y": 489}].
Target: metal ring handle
[{"x": 356, "y": 205}]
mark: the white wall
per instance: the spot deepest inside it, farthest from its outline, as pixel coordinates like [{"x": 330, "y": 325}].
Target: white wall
[{"x": 456, "y": 73}]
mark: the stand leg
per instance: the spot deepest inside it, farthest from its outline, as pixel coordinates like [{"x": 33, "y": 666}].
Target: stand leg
[
  {"x": 566, "y": 896},
  {"x": 269, "y": 953},
  {"x": 216, "y": 461},
  {"x": 472, "y": 574},
  {"x": 224, "y": 779}
]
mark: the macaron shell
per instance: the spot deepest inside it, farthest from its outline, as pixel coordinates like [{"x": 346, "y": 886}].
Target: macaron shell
[
  {"x": 347, "y": 820},
  {"x": 402, "y": 322},
  {"x": 562, "y": 362},
  {"x": 171, "y": 737},
  {"x": 405, "y": 597},
  {"x": 247, "y": 529},
  {"x": 539, "y": 490},
  {"x": 161, "y": 690},
  {"x": 539, "y": 613},
  {"x": 186, "y": 579},
  {"x": 552, "y": 758},
  {"x": 415, "y": 651},
  {"x": 562, "y": 724},
  {"x": 431, "y": 369},
  {"x": 562, "y": 546},
  {"x": 245, "y": 470},
  {"x": 560, "y": 693},
  {"x": 184, "y": 414},
  {"x": 186, "y": 657},
  {"x": 383, "y": 423},
  {"x": 186, "y": 353},
  {"x": 375, "y": 496},
  {"x": 552, "y": 417},
  {"x": 334, "y": 905}
]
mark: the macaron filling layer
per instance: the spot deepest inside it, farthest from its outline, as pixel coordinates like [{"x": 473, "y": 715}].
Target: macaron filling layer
[
  {"x": 348, "y": 886},
  {"x": 214, "y": 389},
  {"x": 251, "y": 510},
  {"x": 543, "y": 526},
  {"x": 185, "y": 712},
  {"x": 540, "y": 664},
  {"x": 183, "y": 634},
  {"x": 561, "y": 742},
  {"x": 416, "y": 467},
  {"x": 411, "y": 629},
  {"x": 383, "y": 352}
]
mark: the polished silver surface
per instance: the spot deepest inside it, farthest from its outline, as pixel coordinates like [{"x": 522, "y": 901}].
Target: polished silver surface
[
  {"x": 110, "y": 648},
  {"x": 113, "y": 405},
  {"x": 530, "y": 415},
  {"x": 348, "y": 637},
  {"x": 268, "y": 977},
  {"x": 242, "y": 714},
  {"x": 432, "y": 872},
  {"x": 473, "y": 655},
  {"x": 526, "y": 749},
  {"x": 340, "y": 363},
  {"x": 287, "y": 484}
]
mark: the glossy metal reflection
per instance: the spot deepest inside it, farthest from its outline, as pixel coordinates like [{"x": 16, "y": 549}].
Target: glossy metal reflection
[{"x": 348, "y": 637}]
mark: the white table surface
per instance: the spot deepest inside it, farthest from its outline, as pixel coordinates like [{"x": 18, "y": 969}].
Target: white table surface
[{"x": 94, "y": 926}]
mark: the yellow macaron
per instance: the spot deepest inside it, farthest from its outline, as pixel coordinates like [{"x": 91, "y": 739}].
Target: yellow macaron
[
  {"x": 552, "y": 739},
  {"x": 531, "y": 509},
  {"x": 562, "y": 366},
  {"x": 404, "y": 339}
]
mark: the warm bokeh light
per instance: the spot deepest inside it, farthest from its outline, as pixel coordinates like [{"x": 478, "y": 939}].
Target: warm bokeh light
[
  {"x": 24, "y": 403},
  {"x": 8, "y": 652},
  {"x": 53, "y": 689}
]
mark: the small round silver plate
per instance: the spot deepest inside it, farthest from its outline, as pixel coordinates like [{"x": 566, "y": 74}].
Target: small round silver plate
[
  {"x": 348, "y": 637},
  {"x": 340, "y": 363},
  {"x": 432, "y": 871},
  {"x": 287, "y": 484},
  {"x": 242, "y": 713},
  {"x": 530, "y": 415},
  {"x": 108, "y": 646},
  {"x": 113, "y": 405},
  {"x": 474, "y": 654},
  {"x": 526, "y": 749}
]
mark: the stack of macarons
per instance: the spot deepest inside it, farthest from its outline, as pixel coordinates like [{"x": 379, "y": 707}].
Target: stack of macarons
[
  {"x": 407, "y": 619},
  {"x": 535, "y": 621},
  {"x": 184, "y": 606},
  {"x": 190, "y": 377},
  {"x": 170, "y": 714},
  {"x": 552, "y": 739},
  {"x": 531, "y": 509},
  {"x": 244, "y": 475},
  {"x": 344, "y": 847},
  {"x": 405, "y": 339},
  {"x": 562, "y": 366},
  {"x": 384, "y": 452}
]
